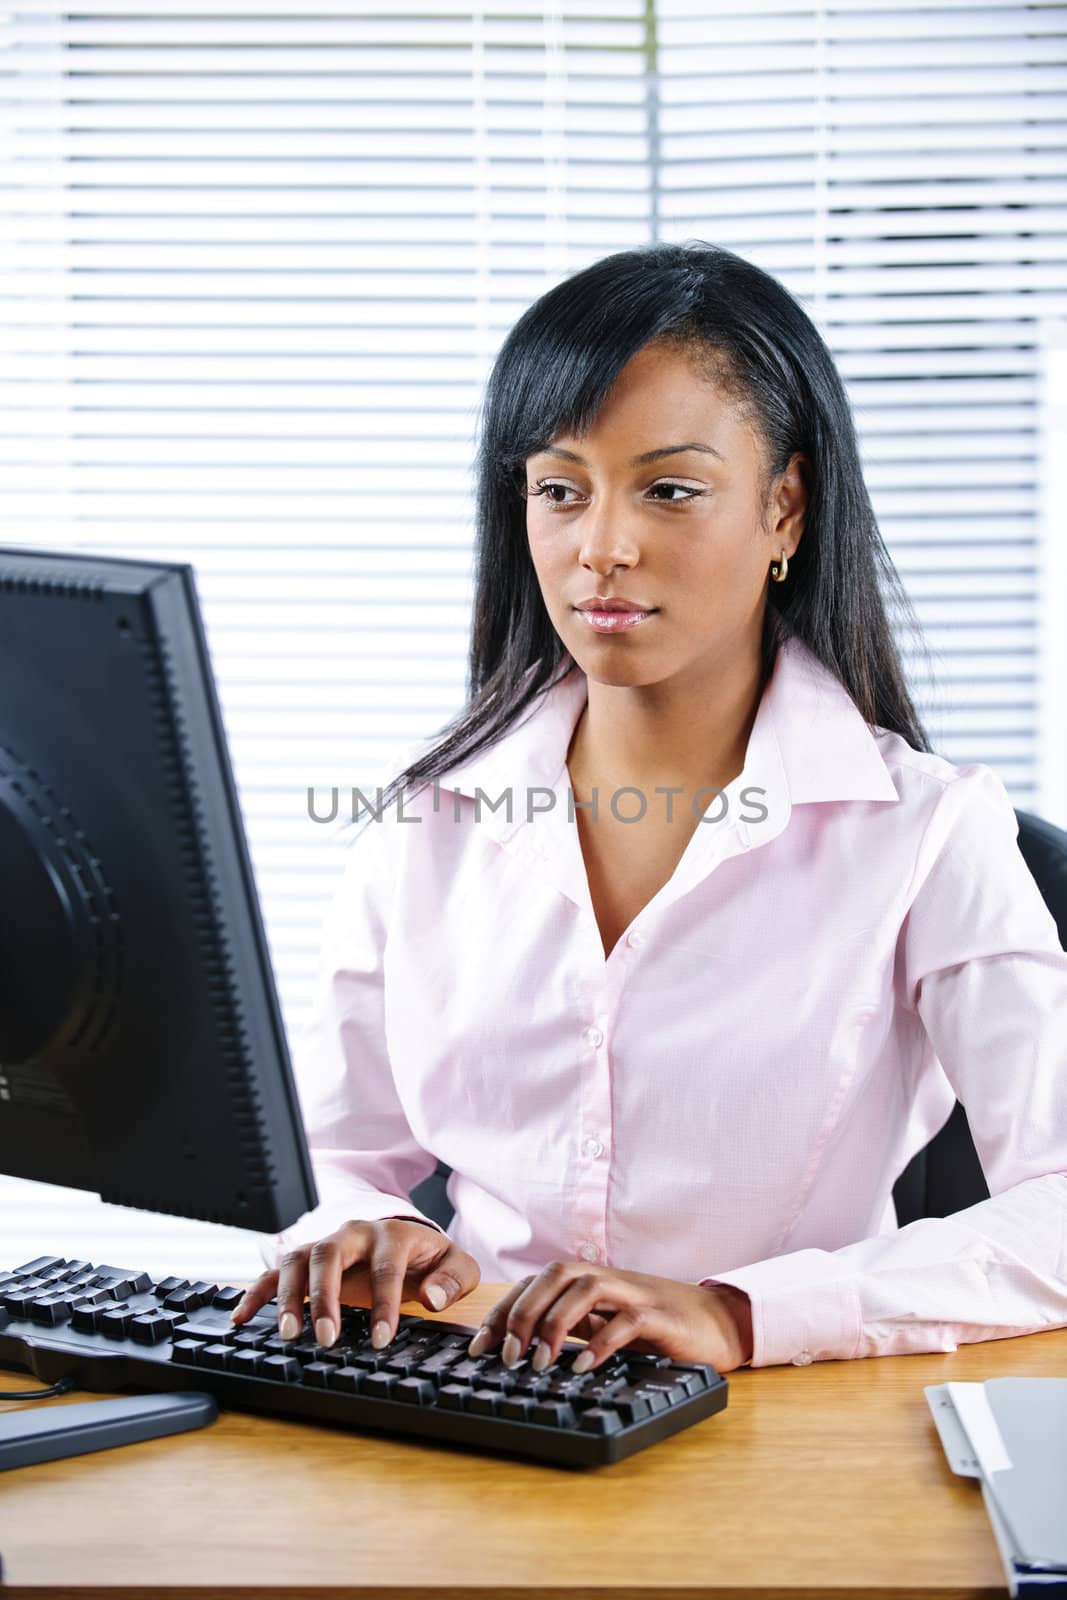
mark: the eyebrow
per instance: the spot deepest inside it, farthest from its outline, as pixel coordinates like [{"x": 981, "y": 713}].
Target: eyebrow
[{"x": 638, "y": 461}]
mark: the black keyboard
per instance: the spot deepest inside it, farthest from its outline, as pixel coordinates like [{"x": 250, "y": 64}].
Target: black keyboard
[{"x": 109, "y": 1328}]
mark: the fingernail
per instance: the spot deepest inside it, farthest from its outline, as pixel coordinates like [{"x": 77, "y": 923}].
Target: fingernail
[
  {"x": 380, "y": 1336},
  {"x": 583, "y": 1361},
  {"x": 541, "y": 1357},
  {"x": 510, "y": 1353},
  {"x": 436, "y": 1296},
  {"x": 480, "y": 1342},
  {"x": 325, "y": 1332},
  {"x": 289, "y": 1326},
  {"x": 235, "y": 1314}
]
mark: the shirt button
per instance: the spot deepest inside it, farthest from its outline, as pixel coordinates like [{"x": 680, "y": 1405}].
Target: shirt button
[
  {"x": 593, "y": 1036},
  {"x": 803, "y": 1359},
  {"x": 636, "y": 937},
  {"x": 593, "y": 1147},
  {"x": 589, "y": 1252}
]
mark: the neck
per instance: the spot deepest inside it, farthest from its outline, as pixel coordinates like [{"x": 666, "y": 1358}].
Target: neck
[{"x": 689, "y": 731}]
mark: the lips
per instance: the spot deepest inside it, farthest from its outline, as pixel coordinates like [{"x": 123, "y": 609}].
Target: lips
[{"x": 611, "y": 605}]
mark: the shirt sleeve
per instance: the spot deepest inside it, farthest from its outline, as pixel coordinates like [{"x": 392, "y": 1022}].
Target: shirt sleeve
[
  {"x": 364, "y": 1155},
  {"x": 979, "y": 960}
]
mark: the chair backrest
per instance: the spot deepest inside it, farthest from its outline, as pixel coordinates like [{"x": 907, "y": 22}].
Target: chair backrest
[{"x": 946, "y": 1175}]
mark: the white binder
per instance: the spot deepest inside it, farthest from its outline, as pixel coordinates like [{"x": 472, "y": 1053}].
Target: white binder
[{"x": 1011, "y": 1434}]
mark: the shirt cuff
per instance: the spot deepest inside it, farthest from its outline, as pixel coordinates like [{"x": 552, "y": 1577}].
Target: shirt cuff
[{"x": 803, "y": 1308}]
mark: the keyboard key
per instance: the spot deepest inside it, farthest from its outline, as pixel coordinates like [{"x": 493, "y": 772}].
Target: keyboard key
[
  {"x": 75, "y": 1269},
  {"x": 247, "y": 1362},
  {"x": 696, "y": 1377},
  {"x": 215, "y": 1355},
  {"x": 349, "y": 1380},
  {"x": 516, "y": 1407},
  {"x": 16, "y": 1300},
  {"x": 656, "y": 1398},
  {"x": 95, "y": 1297},
  {"x": 168, "y": 1286},
  {"x": 416, "y": 1391},
  {"x": 50, "y": 1309},
  {"x": 211, "y": 1331},
  {"x": 122, "y": 1281},
  {"x": 186, "y": 1351},
  {"x": 317, "y": 1373},
  {"x": 664, "y": 1384},
  {"x": 404, "y": 1362},
  {"x": 150, "y": 1328},
  {"x": 484, "y": 1402},
  {"x": 53, "y": 1277},
  {"x": 191, "y": 1298},
  {"x": 274, "y": 1346},
  {"x": 83, "y": 1316},
  {"x": 454, "y": 1396},
  {"x": 631, "y": 1406},
  {"x": 532, "y": 1384},
  {"x": 469, "y": 1371},
  {"x": 500, "y": 1378},
  {"x": 338, "y": 1355},
  {"x": 115, "y": 1321},
  {"x": 247, "y": 1340},
  {"x": 379, "y": 1385},
  {"x": 39, "y": 1265},
  {"x": 225, "y": 1299},
  {"x": 286, "y": 1369},
  {"x": 440, "y": 1363}
]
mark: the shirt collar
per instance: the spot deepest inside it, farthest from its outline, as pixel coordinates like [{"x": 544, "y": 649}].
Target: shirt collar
[{"x": 809, "y": 742}]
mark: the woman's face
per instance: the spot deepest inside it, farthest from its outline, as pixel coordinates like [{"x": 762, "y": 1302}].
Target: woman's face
[{"x": 683, "y": 535}]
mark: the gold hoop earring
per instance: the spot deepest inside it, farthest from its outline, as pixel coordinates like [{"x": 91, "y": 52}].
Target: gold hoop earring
[{"x": 782, "y": 565}]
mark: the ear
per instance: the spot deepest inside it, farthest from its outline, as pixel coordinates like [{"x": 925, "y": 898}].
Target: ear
[{"x": 789, "y": 505}]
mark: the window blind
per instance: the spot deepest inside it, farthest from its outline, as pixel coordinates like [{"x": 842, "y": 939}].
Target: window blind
[
  {"x": 256, "y": 265},
  {"x": 901, "y": 169}
]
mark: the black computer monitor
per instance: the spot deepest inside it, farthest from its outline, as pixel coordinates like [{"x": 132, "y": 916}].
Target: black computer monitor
[{"x": 142, "y": 1051}]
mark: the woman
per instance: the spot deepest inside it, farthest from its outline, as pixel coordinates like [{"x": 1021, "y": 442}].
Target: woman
[{"x": 696, "y": 941}]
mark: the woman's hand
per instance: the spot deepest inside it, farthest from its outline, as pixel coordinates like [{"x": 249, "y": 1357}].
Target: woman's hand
[
  {"x": 612, "y": 1309},
  {"x": 377, "y": 1263}
]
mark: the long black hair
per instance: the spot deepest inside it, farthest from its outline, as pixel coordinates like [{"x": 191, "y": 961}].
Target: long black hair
[{"x": 757, "y": 342}]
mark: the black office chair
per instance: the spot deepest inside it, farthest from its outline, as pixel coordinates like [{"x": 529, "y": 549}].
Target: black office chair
[{"x": 946, "y": 1175}]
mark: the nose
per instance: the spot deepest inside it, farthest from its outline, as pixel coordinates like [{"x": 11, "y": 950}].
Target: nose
[{"x": 604, "y": 540}]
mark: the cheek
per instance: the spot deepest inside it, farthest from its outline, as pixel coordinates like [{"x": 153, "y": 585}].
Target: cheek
[{"x": 548, "y": 554}]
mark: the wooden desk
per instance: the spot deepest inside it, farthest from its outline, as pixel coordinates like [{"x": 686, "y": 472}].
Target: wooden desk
[{"x": 826, "y": 1480}]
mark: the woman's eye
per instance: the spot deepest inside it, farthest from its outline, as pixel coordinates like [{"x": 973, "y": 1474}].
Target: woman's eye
[
  {"x": 549, "y": 491},
  {"x": 689, "y": 494},
  {"x": 546, "y": 490}
]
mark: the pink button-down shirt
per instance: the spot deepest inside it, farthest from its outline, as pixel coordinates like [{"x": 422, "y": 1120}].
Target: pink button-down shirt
[{"x": 850, "y": 941}]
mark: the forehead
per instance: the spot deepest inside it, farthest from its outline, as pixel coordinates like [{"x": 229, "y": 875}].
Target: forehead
[{"x": 663, "y": 396}]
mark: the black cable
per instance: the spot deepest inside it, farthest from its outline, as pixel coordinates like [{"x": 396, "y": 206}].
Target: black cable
[{"x": 64, "y": 1386}]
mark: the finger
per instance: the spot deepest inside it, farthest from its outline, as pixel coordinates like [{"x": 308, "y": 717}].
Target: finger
[
  {"x": 632, "y": 1326},
  {"x": 574, "y": 1297},
  {"x": 387, "y": 1271},
  {"x": 257, "y": 1294},
  {"x": 492, "y": 1329},
  {"x": 292, "y": 1285},
  {"x": 456, "y": 1274},
  {"x": 527, "y": 1313},
  {"x": 326, "y": 1263}
]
